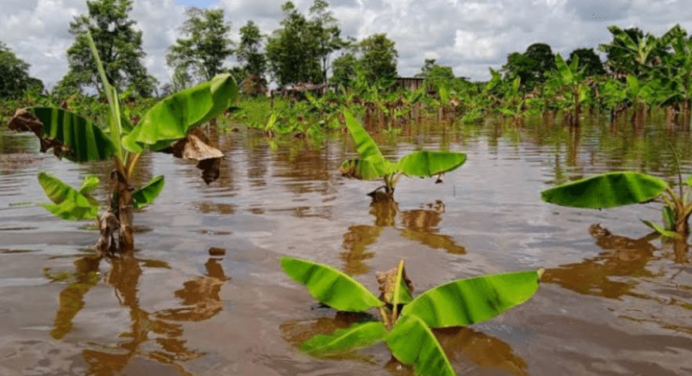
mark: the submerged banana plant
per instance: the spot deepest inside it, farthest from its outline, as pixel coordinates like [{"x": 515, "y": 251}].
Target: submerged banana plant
[
  {"x": 372, "y": 165},
  {"x": 407, "y": 331},
  {"x": 169, "y": 126},
  {"x": 615, "y": 189}
]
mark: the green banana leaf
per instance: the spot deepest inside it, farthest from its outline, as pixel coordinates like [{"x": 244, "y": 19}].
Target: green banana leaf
[
  {"x": 366, "y": 169},
  {"x": 69, "y": 203},
  {"x": 414, "y": 344},
  {"x": 428, "y": 163},
  {"x": 146, "y": 195},
  {"x": 472, "y": 300},
  {"x": 330, "y": 286},
  {"x": 366, "y": 147},
  {"x": 89, "y": 184},
  {"x": 606, "y": 191},
  {"x": 668, "y": 218},
  {"x": 172, "y": 118},
  {"x": 659, "y": 229},
  {"x": 344, "y": 340},
  {"x": 76, "y": 138},
  {"x": 565, "y": 71}
]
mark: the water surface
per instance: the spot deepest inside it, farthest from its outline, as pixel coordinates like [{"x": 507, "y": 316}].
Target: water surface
[{"x": 204, "y": 293}]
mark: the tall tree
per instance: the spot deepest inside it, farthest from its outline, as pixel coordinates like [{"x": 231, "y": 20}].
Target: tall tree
[
  {"x": 379, "y": 57},
  {"x": 118, "y": 44},
  {"x": 292, "y": 50},
  {"x": 14, "y": 75},
  {"x": 250, "y": 50},
  {"x": 588, "y": 60},
  {"x": 531, "y": 65},
  {"x": 326, "y": 33},
  {"x": 202, "y": 54},
  {"x": 344, "y": 69}
]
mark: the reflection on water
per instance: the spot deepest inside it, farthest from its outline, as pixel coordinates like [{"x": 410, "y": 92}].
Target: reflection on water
[
  {"x": 621, "y": 257},
  {"x": 461, "y": 345},
  {"x": 634, "y": 268},
  {"x": 199, "y": 297},
  {"x": 420, "y": 225}
]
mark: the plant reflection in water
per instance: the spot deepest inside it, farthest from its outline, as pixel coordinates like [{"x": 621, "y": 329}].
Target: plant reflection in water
[{"x": 200, "y": 301}]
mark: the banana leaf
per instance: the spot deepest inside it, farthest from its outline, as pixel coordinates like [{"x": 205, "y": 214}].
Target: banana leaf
[
  {"x": 414, "y": 344},
  {"x": 606, "y": 191},
  {"x": 428, "y": 163},
  {"x": 659, "y": 229},
  {"x": 330, "y": 286},
  {"x": 71, "y": 136},
  {"x": 564, "y": 69},
  {"x": 172, "y": 118},
  {"x": 365, "y": 169},
  {"x": 344, "y": 340},
  {"x": 89, "y": 184},
  {"x": 69, "y": 203},
  {"x": 146, "y": 195},
  {"x": 472, "y": 300},
  {"x": 366, "y": 147}
]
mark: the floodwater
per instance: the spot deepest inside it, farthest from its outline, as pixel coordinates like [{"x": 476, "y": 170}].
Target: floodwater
[{"x": 204, "y": 293}]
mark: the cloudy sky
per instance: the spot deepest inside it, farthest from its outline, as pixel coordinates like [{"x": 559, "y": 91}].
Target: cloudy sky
[{"x": 470, "y": 36}]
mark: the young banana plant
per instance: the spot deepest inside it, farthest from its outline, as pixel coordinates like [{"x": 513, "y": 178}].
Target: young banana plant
[
  {"x": 169, "y": 126},
  {"x": 615, "y": 189},
  {"x": 372, "y": 165},
  {"x": 407, "y": 331}
]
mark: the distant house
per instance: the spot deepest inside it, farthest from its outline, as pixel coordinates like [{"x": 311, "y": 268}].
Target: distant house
[{"x": 410, "y": 83}]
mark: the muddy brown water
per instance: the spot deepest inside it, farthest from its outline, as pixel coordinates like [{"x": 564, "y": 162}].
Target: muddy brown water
[{"x": 204, "y": 293}]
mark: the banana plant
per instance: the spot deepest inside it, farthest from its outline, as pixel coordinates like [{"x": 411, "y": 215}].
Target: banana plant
[
  {"x": 371, "y": 164},
  {"x": 615, "y": 189},
  {"x": 407, "y": 331},
  {"x": 169, "y": 126}
]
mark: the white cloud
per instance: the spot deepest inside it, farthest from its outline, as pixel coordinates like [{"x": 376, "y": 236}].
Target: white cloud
[{"x": 467, "y": 35}]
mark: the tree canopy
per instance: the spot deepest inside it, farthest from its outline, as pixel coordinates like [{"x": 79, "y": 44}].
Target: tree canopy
[
  {"x": 201, "y": 55},
  {"x": 14, "y": 75},
  {"x": 531, "y": 65},
  {"x": 588, "y": 60},
  {"x": 378, "y": 57},
  {"x": 118, "y": 43}
]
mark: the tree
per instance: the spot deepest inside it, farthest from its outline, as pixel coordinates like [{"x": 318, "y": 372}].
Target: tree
[
  {"x": 344, "y": 69},
  {"x": 293, "y": 51},
  {"x": 588, "y": 60},
  {"x": 14, "y": 75},
  {"x": 378, "y": 57},
  {"x": 531, "y": 65},
  {"x": 438, "y": 75},
  {"x": 249, "y": 50},
  {"x": 206, "y": 48},
  {"x": 118, "y": 44},
  {"x": 326, "y": 33}
]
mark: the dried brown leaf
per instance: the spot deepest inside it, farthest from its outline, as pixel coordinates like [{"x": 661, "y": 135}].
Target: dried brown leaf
[
  {"x": 387, "y": 281},
  {"x": 24, "y": 121}
]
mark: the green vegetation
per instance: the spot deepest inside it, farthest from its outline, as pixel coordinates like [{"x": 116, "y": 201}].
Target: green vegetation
[
  {"x": 407, "y": 331},
  {"x": 168, "y": 126},
  {"x": 118, "y": 44},
  {"x": 372, "y": 165},
  {"x": 200, "y": 57},
  {"x": 615, "y": 189}
]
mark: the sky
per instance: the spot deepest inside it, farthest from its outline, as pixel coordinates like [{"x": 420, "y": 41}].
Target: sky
[{"x": 469, "y": 36}]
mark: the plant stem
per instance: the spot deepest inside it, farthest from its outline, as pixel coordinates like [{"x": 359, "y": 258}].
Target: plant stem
[
  {"x": 677, "y": 165},
  {"x": 397, "y": 287},
  {"x": 385, "y": 317}
]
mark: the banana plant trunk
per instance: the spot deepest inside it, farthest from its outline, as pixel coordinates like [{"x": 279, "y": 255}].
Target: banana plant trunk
[
  {"x": 124, "y": 213},
  {"x": 682, "y": 226}
]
